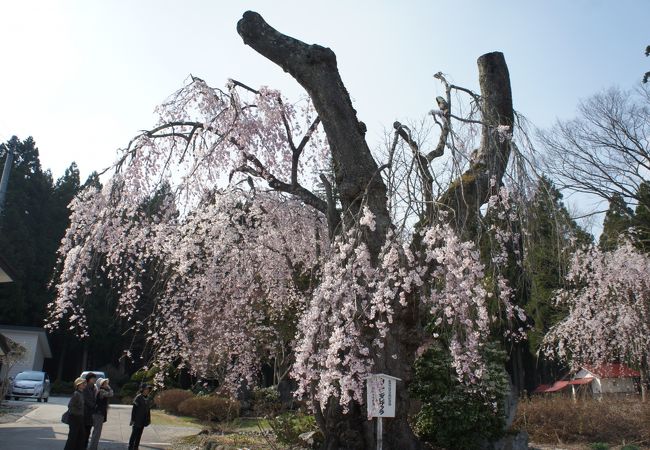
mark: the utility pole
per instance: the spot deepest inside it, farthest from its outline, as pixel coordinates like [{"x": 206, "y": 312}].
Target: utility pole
[{"x": 5, "y": 179}]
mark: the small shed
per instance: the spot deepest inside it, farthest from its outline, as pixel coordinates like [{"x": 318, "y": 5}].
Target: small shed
[
  {"x": 36, "y": 344},
  {"x": 612, "y": 378}
]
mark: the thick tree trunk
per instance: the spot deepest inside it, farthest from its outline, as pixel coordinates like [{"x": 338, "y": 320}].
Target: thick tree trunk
[
  {"x": 60, "y": 365},
  {"x": 358, "y": 180},
  {"x": 472, "y": 189},
  {"x": 314, "y": 67}
]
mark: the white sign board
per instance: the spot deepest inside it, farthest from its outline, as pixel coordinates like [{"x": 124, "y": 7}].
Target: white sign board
[{"x": 380, "y": 395}]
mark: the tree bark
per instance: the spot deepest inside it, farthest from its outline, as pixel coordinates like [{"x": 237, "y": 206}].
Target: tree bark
[
  {"x": 471, "y": 190},
  {"x": 358, "y": 181}
]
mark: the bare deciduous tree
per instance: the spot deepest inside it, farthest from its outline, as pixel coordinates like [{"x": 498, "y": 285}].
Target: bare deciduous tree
[{"x": 606, "y": 150}]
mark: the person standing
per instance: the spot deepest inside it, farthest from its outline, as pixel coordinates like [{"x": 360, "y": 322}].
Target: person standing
[
  {"x": 90, "y": 403},
  {"x": 77, "y": 432},
  {"x": 140, "y": 416},
  {"x": 104, "y": 392}
]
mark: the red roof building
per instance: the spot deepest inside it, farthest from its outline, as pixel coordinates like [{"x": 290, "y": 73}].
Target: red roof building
[{"x": 611, "y": 378}]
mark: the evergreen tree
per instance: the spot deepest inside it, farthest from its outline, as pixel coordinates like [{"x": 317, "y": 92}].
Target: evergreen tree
[
  {"x": 642, "y": 218},
  {"x": 552, "y": 236},
  {"x": 618, "y": 221},
  {"x": 27, "y": 236}
]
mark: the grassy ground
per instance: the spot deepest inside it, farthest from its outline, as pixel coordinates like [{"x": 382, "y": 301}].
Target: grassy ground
[
  {"x": 559, "y": 423},
  {"x": 250, "y": 433},
  {"x": 162, "y": 418},
  {"x": 226, "y": 442}
]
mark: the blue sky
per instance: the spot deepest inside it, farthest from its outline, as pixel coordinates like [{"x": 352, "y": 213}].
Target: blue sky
[{"x": 83, "y": 76}]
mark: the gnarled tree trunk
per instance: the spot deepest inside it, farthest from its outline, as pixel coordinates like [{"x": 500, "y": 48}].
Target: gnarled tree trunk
[{"x": 358, "y": 178}]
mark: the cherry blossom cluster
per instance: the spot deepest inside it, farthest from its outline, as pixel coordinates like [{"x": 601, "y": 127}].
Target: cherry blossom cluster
[
  {"x": 234, "y": 274},
  {"x": 608, "y": 298},
  {"x": 244, "y": 267},
  {"x": 353, "y": 308}
]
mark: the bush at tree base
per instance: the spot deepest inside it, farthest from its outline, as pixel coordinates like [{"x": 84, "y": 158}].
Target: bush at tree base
[
  {"x": 288, "y": 427},
  {"x": 455, "y": 415},
  {"x": 170, "y": 399},
  {"x": 266, "y": 401},
  {"x": 210, "y": 408}
]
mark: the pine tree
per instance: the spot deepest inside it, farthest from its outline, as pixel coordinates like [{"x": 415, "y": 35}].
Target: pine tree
[
  {"x": 642, "y": 218},
  {"x": 26, "y": 239},
  {"x": 618, "y": 221},
  {"x": 552, "y": 237}
]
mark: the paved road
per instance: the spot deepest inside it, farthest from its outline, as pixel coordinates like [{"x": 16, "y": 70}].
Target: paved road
[{"x": 41, "y": 428}]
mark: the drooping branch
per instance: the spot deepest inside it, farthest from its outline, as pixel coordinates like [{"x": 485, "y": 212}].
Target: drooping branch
[
  {"x": 260, "y": 171},
  {"x": 297, "y": 151},
  {"x": 422, "y": 163}
]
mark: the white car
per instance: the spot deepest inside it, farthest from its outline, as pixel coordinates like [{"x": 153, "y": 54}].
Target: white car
[
  {"x": 31, "y": 384},
  {"x": 98, "y": 373}
]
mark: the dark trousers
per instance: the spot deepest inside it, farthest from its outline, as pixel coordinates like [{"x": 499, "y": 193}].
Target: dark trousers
[
  {"x": 87, "y": 430},
  {"x": 77, "y": 434},
  {"x": 136, "y": 434}
]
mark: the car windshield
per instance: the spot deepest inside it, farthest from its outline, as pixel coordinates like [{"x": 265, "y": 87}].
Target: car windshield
[
  {"x": 98, "y": 374},
  {"x": 30, "y": 376}
]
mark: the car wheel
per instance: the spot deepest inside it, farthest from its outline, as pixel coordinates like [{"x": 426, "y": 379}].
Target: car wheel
[
  {"x": 16, "y": 398},
  {"x": 39, "y": 399},
  {"x": 46, "y": 399}
]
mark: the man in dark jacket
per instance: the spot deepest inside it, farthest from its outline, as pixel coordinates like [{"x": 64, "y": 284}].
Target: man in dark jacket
[
  {"x": 90, "y": 404},
  {"x": 140, "y": 416}
]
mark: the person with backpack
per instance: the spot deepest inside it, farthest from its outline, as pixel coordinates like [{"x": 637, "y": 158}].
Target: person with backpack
[
  {"x": 140, "y": 416},
  {"x": 75, "y": 418},
  {"x": 104, "y": 392}
]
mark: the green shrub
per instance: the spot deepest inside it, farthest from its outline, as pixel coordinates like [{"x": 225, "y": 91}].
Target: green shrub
[
  {"x": 289, "y": 426},
  {"x": 210, "y": 408},
  {"x": 169, "y": 400},
  {"x": 266, "y": 401},
  {"x": 599, "y": 446},
  {"x": 62, "y": 388},
  {"x": 454, "y": 416},
  {"x": 144, "y": 376},
  {"x": 129, "y": 389},
  {"x": 630, "y": 447}
]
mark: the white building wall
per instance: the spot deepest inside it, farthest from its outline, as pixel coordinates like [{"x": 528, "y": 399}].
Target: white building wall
[
  {"x": 30, "y": 342},
  {"x": 617, "y": 386},
  {"x": 596, "y": 386}
]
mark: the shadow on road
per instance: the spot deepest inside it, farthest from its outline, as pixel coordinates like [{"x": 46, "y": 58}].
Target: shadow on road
[{"x": 30, "y": 438}]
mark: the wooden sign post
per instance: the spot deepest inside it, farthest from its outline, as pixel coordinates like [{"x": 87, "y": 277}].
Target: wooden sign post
[{"x": 380, "y": 397}]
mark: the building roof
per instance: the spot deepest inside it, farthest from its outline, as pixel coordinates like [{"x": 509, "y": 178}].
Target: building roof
[
  {"x": 557, "y": 386},
  {"x": 7, "y": 274},
  {"x": 40, "y": 332},
  {"x": 560, "y": 385},
  {"x": 541, "y": 388},
  {"x": 612, "y": 370}
]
